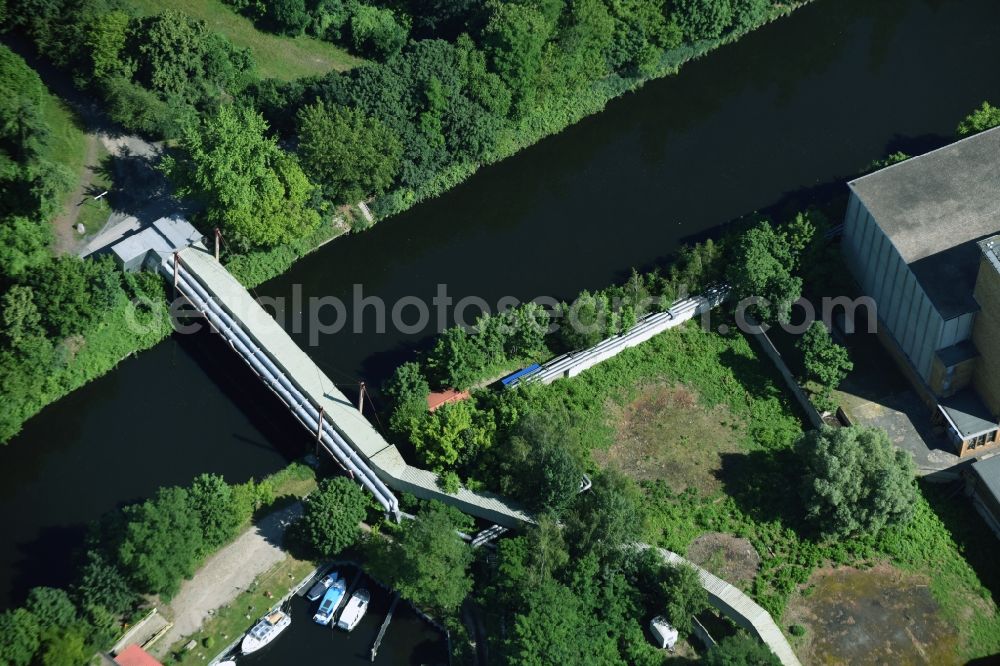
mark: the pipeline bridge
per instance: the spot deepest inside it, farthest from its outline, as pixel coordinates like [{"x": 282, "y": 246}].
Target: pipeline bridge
[
  {"x": 346, "y": 435},
  {"x": 340, "y": 429}
]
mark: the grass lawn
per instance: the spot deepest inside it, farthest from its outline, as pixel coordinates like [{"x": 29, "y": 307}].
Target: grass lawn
[
  {"x": 66, "y": 144},
  {"x": 231, "y": 621},
  {"x": 94, "y": 214},
  {"x": 674, "y": 397},
  {"x": 666, "y": 433},
  {"x": 279, "y": 57}
]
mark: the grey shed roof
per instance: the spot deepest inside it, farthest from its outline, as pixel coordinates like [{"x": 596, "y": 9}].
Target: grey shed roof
[
  {"x": 988, "y": 470},
  {"x": 967, "y": 411},
  {"x": 163, "y": 237},
  {"x": 935, "y": 208}
]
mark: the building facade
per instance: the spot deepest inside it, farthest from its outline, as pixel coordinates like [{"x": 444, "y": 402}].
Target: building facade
[{"x": 921, "y": 238}]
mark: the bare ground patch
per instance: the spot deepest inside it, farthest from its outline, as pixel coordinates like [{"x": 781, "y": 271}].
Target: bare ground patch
[
  {"x": 875, "y": 616},
  {"x": 731, "y": 558},
  {"x": 666, "y": 433}
]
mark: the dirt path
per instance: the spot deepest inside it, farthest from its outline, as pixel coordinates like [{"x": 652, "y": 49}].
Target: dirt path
[
  {"x": 67, "y": 240},
  {"x": 226, "y": 574}
]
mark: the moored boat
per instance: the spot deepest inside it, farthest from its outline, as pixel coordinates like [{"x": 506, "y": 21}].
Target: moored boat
[
  {"x": 265, "y": 631},
  {"x": 331, "y": 601},
  {"x": 321, "y": 586},
  {"x": 355, "y": 609}
]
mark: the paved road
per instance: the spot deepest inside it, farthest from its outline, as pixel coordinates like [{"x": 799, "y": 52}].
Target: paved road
[{"x": 226, "y": 574}]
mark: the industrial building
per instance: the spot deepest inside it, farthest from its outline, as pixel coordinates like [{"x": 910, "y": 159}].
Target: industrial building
[{"x": 921, "y": 238}]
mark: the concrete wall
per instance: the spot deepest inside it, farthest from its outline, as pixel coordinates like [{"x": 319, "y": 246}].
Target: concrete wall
[
  {"x": 986, "y": 336},
  {"x": 904, "y": 309}
]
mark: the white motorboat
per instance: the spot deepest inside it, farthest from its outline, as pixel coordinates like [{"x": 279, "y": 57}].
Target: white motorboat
[
  {"x": 355, "y": 609},
  {"x": 331, "y": 602},
  {"x": 265, "y": 631}
]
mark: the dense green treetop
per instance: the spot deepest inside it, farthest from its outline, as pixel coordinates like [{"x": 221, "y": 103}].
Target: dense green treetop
[
  {"x": 252, "y": 189},
  {"x": 854, "y": 481},
  {"x": 332, "y": 516},
  {"x": 351, "y": 155}
]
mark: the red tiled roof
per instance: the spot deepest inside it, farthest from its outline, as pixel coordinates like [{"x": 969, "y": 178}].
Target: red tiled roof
[
  {"x": 134, "y": 655},
  {"x": 438, "y": 398}
]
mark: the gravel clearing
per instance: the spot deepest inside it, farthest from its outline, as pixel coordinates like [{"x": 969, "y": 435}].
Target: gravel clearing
[{"x": 227, "y": 573}]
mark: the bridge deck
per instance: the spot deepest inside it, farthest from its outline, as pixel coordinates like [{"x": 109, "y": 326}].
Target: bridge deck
[{"x": 383, "y": 457}]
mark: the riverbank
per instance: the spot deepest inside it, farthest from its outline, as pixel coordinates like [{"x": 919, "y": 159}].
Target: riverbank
[{"x": 256, "y": 267}]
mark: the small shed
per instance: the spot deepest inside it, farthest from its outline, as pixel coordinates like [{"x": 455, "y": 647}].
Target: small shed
[
  {"x": 663, "y": 632},
  {"x": 154, "y": 243},
  {"x": 134, "y": 655},
  {"x": 985, "y": 486},
  {"x": 437, "y": 398}
]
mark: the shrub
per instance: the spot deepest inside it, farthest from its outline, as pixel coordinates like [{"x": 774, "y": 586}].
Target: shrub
[
  {"x": 854, "y": 481},
  {"x": 377, "y": 33},
  {"x": 332, "y": 516}
]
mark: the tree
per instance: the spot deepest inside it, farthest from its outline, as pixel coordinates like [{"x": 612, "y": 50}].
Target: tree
[
  {"x": 606, "y": 518},
  {"x": 407, "y": 390},
  {"x": 24, "y": 245},
  {"x": 982, "y": 119},
  {"x": 513, "y": 39},
  {"x": 826, "y": 362},
  {"x": 748, "y": 14},
  {"x": 703, "y": 19},
  {"x": 162, "y": 542},
  {"x": 102, "y": 585},
  {"x": 553, "y": 628},
  {"x": 52, "y": 609},
  {"x": 332, "y": 516},
  {"x": 253, "y": 190},
  {"x": 69, "y": 648},
  {"x": 19, "y": 319},
  {"x": 545, "y": 467},
  {"x": 682, "y": 595},
  {"x": 456, "y": 359},
  {"x": 19, "y": 637},
  {"x": 350, "y": 155},
  {"x": 376, "y": 32},
  {"x": 288, "y": 16},
  {"x": 183, "y": 60},
  {"x": 453, "y": 432},
  {"x": 426, "y": 561},
  {"x": 741, "y": 650},
  {"x": 105, "y": 40},
  {"x": 218, "y": 509},
  {"x": 854, "y": 481},
  {"x": 584, "y": 321},
  {"x": 761, "y": 268}
]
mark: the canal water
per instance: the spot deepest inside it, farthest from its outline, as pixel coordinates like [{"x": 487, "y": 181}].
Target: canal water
[
  {"x": 408, "y": 640},
  {"x": 776, "y": 120}
]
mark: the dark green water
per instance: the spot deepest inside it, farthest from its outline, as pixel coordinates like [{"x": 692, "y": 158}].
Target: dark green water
[{"x": 782, "y": 117}]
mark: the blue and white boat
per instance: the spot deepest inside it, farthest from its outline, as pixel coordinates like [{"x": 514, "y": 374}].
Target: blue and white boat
[{"x": 331, "y": 601}]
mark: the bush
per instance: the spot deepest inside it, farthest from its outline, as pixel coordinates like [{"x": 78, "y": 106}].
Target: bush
[
  {"x": 854, "y": 481},
  {"x": 377, "y": 33},
  {"x": 985, "y": 117},
  {"x": 741, "y": 650},
  {"x": 797, "y": 630},
  {"x": 332, "y": 516}
]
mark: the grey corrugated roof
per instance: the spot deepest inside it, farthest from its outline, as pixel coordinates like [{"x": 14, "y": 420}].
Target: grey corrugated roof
[
  {"x": 968, "y": 412},
  {"x": 988, "y": 470},
  {"x": 934, "y": 208}
]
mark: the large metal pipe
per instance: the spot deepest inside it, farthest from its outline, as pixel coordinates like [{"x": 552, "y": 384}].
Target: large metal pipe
[{"x": 258, "y": 359}]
